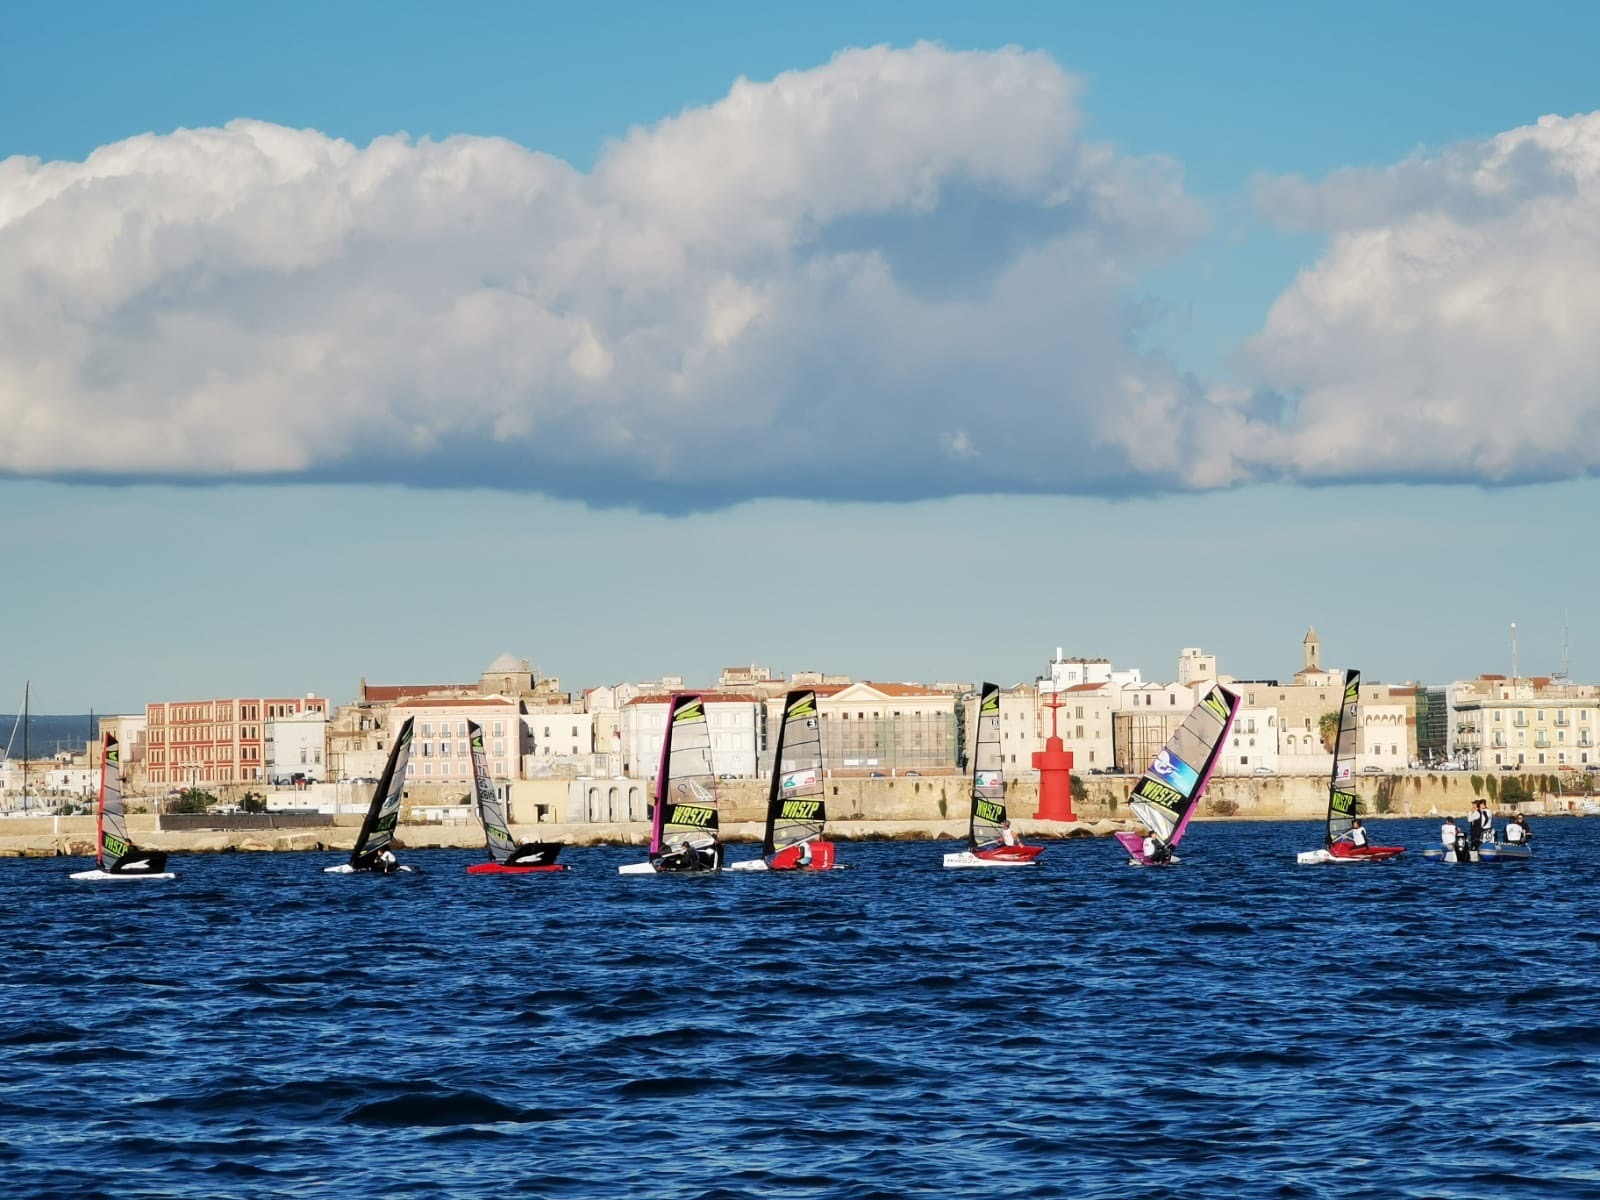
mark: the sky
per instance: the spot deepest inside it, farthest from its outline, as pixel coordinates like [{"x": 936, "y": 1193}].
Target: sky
[{"x": 904, "y": 341}]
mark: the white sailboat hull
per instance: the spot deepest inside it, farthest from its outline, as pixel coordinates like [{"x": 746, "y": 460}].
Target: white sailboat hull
[
  {"x": 749, "y": 864},
  {"x": 347, "y": 869},
  {"x": 98, "y": 876},
  {"x": 967, "y": 858}
]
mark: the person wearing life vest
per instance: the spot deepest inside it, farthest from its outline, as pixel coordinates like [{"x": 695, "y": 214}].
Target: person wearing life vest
[{"x": 1517, "y": 831}]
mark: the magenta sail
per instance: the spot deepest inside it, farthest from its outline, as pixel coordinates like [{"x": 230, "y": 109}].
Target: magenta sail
[{"x": 1167, "y": 793}]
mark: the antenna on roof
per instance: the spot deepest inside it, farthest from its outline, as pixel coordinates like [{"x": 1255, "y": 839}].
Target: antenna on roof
[
  {"x": 1566, "y": 665},
  {"x": 1513, "y": 653}
]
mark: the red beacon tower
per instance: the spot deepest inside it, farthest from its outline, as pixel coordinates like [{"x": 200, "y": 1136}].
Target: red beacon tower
[{"x": 1054, "y": 764}]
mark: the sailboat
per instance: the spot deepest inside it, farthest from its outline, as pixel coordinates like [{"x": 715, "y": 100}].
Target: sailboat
[
  {"x": 683, "y": 822},
  {"x": 987, "y": 825},
  {"x": 371, "y": 851},
  {"x": 506, "y": 856},
  {"x": 797, "y": 811},
  {"x": 1166, "y": 795},
  {"x": 116, "y": 857},
  {"x": 1344, "y": 806}
]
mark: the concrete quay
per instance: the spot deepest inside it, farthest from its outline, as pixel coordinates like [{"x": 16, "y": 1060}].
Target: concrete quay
[{"x": 49, "y": 837}]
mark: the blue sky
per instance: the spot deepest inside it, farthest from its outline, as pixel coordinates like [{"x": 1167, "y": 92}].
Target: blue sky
[{"x": 1177, "y": 325}]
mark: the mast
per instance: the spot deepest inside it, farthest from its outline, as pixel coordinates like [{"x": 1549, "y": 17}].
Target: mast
[
  {"x": 108, "y": 751},
  {"x": 658, "y": 811},
  {"x": 26, "y": 687}
]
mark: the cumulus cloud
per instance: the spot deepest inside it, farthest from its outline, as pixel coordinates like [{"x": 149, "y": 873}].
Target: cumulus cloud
[
  {"x": 901, "y": 273},
  {"x": 1450, "y": 330}
]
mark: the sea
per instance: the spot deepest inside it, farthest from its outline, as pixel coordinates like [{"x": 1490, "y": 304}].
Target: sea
[{"x": 1235, "y": 1026}]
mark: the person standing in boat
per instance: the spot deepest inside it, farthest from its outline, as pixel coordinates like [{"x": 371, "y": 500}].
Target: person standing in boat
[{"x": 1480, "y": 826}]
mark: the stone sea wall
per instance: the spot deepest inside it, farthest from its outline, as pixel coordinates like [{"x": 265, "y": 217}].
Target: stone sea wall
[{"x": 858, "y": 809}]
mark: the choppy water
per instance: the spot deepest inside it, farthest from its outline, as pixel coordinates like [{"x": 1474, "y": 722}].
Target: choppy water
[{"x": 1238, "y": 1026}]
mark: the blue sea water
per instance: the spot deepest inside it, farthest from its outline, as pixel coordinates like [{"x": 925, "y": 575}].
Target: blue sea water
[{"x": 1236, "y": 1026}]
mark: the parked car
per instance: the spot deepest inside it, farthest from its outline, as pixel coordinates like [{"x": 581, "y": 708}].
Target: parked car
[
  {"x": 1263, "y": 771},
  {"x": 914, "y": 774},
  {"x": 877, "y": 775},
  {"x": 1372, "y": 770}
]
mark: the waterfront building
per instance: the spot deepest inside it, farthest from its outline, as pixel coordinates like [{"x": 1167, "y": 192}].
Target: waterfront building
[
  {"x": 889, "y": 728},
  {"x": 1252, "y": 745},
  {"x": 297, "y": 747},
  {"x": 1083, "y": 722},
  {"x": 440, "y": 751},
  {"x": 1526, "y": 724},
  {"x": 205, "y": 743},
  {"x": 732, "y": 718},
  {"x": 1195, "y": 668}
]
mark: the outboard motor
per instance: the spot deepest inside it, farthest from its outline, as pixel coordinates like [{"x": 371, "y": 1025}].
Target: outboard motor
[{"x": 1463, "y": 852}]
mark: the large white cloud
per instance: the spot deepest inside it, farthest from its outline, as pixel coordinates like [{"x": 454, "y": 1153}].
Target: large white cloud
[
  {"x": 1452, "y": 329},
  {"x": 901, "y": 273}
]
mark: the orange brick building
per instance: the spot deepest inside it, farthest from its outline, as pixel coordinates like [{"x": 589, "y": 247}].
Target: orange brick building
[{"x": 195, "y": 743}]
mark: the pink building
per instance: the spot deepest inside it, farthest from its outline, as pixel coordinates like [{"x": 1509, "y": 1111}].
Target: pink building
[
  {"x": 203, "y": 742},
  {"x": 439, "y": 749}
]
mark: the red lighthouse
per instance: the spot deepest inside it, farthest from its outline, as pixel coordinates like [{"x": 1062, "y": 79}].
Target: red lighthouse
[{"x": 1054, "y": 765}]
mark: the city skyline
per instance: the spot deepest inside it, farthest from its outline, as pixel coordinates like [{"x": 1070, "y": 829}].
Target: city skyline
[{"x": 908, "y": 343}]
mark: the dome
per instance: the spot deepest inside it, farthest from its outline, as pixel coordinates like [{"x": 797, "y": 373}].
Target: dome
[{"x": 507, "y": 663}]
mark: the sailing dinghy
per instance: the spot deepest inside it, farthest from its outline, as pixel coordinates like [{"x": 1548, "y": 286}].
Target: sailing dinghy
[
  {"x": 371, "y": 852},
  {"x": 796, "y": 809},
  {"x": 1166, "y": 795},
  {"x": 683, "y": 822},
  {"x": 1344, "y": 806},
  {"x": 987, "y": 825},
  {"x": 116, "y": 857},
  {"x": 506, "y": 856}
]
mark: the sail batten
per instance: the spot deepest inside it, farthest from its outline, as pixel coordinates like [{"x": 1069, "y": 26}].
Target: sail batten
[
  {"x": 686, "y": 789},
  {"x": 796, "y": 808},
  {"x": 383, "y": 814},
  {"x": 111, "y": 828},
  {"x": 988, "y": 813},
  {"x": 491, "y": 811},
  {"x": 1343, "y": 803}
]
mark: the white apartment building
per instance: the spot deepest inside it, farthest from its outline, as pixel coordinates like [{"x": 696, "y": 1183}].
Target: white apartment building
[
  {"x": 1195, "y": 668},
  {"x": 733, "y": 719},
  {"x": 1083, "y": 721},
  {"x": 297, "y": 744},
  {"x": 1252, "y": 745},
  {"x": 1535, "y": 724}
]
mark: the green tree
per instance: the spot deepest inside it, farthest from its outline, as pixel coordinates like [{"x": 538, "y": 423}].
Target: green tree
[
  {"x": 253, "y": 803},
  {"x": 193, "y": 800},
  {"x": 1492, "y": 786},
  {"x": 1328, "y": 730},
  {"x": 1477, "y": 785}
]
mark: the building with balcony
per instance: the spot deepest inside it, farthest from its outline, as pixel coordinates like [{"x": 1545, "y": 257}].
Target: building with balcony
[{"x": 205, "y": 743}]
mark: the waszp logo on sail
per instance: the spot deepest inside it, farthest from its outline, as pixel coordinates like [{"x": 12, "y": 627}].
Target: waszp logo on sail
[
  {"x": 689, "y": 814},
  {"x": 988, "y": 810},
  {"x": 800, "y": 810}
]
